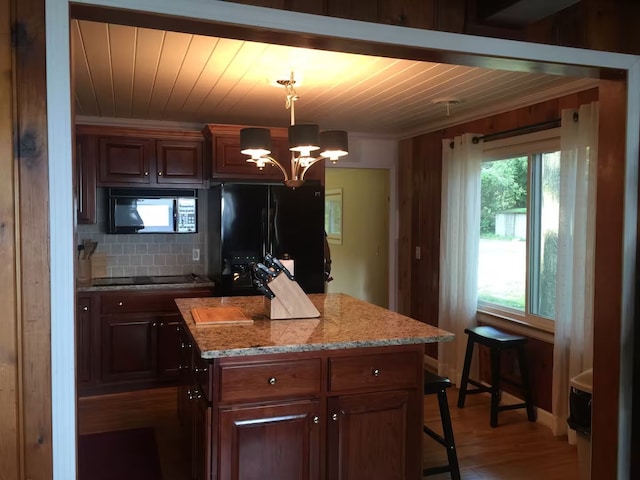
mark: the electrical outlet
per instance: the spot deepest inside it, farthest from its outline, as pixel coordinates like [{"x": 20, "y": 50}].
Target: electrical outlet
[{"x": 196, "y": 254}]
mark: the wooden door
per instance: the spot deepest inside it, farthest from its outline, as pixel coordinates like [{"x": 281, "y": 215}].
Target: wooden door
[
  {"x": 179, "y": 162},
  {"x": 274, "y": 442},
  {"x": 383, "y": 419},
  {"x": 168, "y": 355},
  {"x": 125, "y": 160},
  {"x": 128, "y": 347},
  {"x": 201, "y": 450},
  {"x": 85, "y": 179},
  {"x": 84, "y": 313}
]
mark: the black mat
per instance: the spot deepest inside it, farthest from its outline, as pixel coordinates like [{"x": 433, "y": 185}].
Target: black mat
[{"x": 120, "y": 455}]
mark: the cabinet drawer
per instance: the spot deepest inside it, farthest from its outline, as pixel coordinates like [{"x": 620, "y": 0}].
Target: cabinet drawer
[
  {"x": 265, "y": 381},
  {"x": 376, "y": 371},
  {"x": 125, "y": 302}
]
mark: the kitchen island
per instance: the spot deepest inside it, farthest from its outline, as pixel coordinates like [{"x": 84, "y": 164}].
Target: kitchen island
[{"x": 334, "y": 397}]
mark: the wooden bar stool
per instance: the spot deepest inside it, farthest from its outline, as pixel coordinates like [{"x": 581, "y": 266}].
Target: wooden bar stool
[
  {"x": 496, "y": 341},
  {"x": 434, "y": 384}
]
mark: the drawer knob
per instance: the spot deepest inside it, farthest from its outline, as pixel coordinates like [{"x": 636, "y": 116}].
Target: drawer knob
[
  {"x": 85, "y": 309},
  {"x": 146, "y": 174},
  {"x": 199, "y": 370},
  {"x": 334, "y": 417},
  {"x": 375, "y": 372},
  {"x": 272, "y": 381},
  {"x": 159, "y": 174},
  {"x": 316, "y": 419},
  {"x": 120, "y": 304},
  {"x": 154, "y": 324}
]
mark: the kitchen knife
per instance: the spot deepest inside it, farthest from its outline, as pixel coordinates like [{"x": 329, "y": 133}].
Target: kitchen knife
[
  {"x": 266, "y": 291},
  {"x": 263, "y": 273},
  {"x": 277, "y": 265}
]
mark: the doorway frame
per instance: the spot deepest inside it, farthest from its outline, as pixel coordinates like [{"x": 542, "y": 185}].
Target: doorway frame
[{"x": 315, "y": 31}]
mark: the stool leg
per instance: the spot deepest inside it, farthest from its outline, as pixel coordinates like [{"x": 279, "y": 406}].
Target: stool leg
[
  {"x": 495, "y": 385},
  {"x": 465, "y": 372},
  {"x": 524, "y": 375},
  {"x": 450, "y": 443}
]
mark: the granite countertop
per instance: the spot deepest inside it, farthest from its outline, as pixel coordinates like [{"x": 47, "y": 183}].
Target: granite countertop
[
  {"x": 344, "y": 322},
  {"x": 146, "y": 282}
]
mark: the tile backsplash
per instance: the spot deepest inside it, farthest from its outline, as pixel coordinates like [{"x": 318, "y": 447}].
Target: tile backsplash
[{"x": 145, "y": 254}]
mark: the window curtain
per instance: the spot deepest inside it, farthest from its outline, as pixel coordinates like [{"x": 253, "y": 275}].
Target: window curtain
[
  {"x": 459, "y": 244},
  {"x": 573, "y": 342}
]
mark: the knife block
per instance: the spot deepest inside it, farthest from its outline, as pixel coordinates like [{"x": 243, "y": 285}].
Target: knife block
[{"x": 290, "y": 300}]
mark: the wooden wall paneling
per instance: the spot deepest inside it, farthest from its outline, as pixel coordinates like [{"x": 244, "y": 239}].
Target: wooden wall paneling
[
  {"x": 365, "y": 10},
  {"x": 609, "y": 258},
  {"x": 405, "y": 194},
  {"x": 33, "y": 237},
  {"x": 10, "y": 445}
]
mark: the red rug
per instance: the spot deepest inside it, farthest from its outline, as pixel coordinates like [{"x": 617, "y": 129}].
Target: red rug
[{"x": 120, "y": 455}]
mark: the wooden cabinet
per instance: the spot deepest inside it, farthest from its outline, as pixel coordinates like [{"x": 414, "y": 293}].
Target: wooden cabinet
[
  {"x": 128, "y": 340},
  {"x": 85, "y": 179},
  {"x": 292, "y": 451},
  {"x": 333, "y": 414},
  {"x": 228, "y": 163},
  {"x": 381, "y": 418},
  {"x": 127, "y": 160},
  {"x": 84, "y": 340}
]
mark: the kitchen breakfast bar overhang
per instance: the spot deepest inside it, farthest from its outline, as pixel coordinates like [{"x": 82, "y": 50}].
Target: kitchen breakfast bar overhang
[{"x": 334, "y": 397}]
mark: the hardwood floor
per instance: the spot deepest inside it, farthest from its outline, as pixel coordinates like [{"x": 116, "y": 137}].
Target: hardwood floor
[{"x": 515, "y": 450}]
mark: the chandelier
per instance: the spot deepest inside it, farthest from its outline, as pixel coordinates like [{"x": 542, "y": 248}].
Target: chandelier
[{"x": 305, "y": 140}]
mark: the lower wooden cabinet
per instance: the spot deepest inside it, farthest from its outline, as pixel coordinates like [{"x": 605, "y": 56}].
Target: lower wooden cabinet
[
  {"x": 334, "y": 415},
  {"x": 128, "y": 340},
  {"x": 279, "y": 441},
  {"x": 381, "y": 418}
]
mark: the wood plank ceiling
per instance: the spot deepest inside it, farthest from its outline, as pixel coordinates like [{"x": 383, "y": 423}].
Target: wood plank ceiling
[{"x": 139, "y": 73}]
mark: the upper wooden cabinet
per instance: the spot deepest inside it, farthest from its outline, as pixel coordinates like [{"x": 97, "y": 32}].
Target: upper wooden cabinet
[
  {"x": 228, "y": 163},
  {"x": 141, "y": 157}
]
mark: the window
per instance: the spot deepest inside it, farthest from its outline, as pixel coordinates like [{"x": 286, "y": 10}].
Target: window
[{"x": 519, "y": 227}]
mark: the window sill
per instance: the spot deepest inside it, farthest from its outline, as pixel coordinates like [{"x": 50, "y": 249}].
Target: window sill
[{"x": 542, "y": 330}]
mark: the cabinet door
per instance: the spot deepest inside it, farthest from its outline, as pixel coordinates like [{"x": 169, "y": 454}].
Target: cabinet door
[
  {"x": 128, "y": 347},
  {"x": 168, "y": 356},
  {"x": 124, "y": 160},
  {"x": 201, "y": 460},
  {"x": 408, "y": 13},
  {"x": 275, "y": 441},
  {"x": 84, "y": 338},
  {"x": 365, "y": 10},
  {"x": 229, "y": 162},
  {"x": 384, "y": 420},
  {"x": 179, "y": 162},
  {"x": 85, "y": 170}
]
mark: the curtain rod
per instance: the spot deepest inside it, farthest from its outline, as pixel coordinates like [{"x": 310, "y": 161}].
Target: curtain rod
[
  {"x": 520, "y": 130},
  {"x": 536, "y": 127}
]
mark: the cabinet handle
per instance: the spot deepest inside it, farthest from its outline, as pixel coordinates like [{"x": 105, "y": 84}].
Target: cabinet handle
[
  {"x": 120, "y": 304},
  {"x": 146, "y": 174},
  {"x": 162, "y": 324},
  {"x": 154, "y": 324},
  {"x": 185, "y": 345},
  {"x": 199, "y": 370},
  {"x": 375, "y": 372},
  {"x": 159, "y": 174},
  {"x": 194, "y": 395},
  {"x": 272, "y": 381},
  {"x": 85, "y": 309},
  {"x": 334, "y": 417},
  {"x": 316, "y": 419}
]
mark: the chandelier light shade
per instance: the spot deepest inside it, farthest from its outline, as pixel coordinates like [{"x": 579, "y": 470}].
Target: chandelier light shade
[{"x": 305, "y": 140}]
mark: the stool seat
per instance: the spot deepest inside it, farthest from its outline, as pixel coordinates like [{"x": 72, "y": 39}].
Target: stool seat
[
  {"x": 492, "y": 336},
  {"x": 435, "y": 384},
  {"x": 497, "y": 341}
]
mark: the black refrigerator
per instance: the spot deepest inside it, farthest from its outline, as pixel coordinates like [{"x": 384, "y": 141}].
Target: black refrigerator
[{"x": 251, "y": 220}]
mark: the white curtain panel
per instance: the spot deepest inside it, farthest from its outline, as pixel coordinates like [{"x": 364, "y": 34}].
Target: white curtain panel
[
  {"x": 573, "y": 342},
  {"x": 459, "y": 244}
]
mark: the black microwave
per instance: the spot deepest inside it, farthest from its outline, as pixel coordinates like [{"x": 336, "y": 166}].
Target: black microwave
[{"x": 152, "y": 211}]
